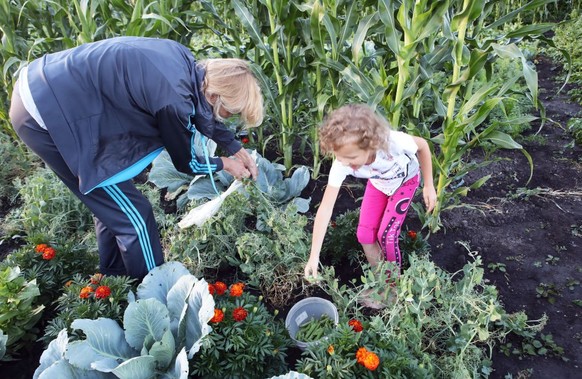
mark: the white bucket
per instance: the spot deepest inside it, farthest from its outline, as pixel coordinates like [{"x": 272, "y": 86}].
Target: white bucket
[{"x": 305, "y": 310}]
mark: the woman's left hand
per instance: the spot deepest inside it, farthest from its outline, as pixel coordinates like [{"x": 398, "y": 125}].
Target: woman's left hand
[{"x": 245, "y": 158}]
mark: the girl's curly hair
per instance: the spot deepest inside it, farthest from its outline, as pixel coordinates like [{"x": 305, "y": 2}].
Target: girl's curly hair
[{"x": 354, "y": 123}]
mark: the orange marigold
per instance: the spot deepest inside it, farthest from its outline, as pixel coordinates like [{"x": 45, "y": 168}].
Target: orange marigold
[
  {"x": 237, "y": 289},
  {"x": 220, "y": 288},
  {"x": 239, "y": 314},
  {"x": 48, "y": 254},
  {"x": 330, "y": 350},
  {"x": 211, "y": 289},
  {"x": 356, "y": 325},
  {"x": 86, "y": 292},
  {"x": 362, "y": 351},
  {"x": 218, "y": 316},
  {"x": 371, "y": 361},
  {"x": 102, "y": 292},
  {"x": 40, "y": 247}
]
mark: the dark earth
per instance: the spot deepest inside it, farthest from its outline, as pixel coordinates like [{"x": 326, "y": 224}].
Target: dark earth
[{"x": 532, "y": 230}]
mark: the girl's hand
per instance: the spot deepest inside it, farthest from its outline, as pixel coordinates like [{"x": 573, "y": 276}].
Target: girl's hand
[
  {"x": 311, "y": 269},
  {"x": 430, "y": 197},
  {"x": 249, "y": 163}
]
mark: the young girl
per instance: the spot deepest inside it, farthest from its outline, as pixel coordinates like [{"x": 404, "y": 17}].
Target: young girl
[{"x": 392, "y": 161}]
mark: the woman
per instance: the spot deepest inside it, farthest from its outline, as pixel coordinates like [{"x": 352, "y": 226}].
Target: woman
[{"x": 98, "y": 114}]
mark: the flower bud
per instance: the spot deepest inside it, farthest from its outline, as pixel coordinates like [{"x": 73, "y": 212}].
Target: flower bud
[
  {"x": 255, "y": 310},
  {"x": 276, "y": 312}
]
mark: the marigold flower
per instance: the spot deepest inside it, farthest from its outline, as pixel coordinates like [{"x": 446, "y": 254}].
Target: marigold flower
[
  {"x": 362, "y": 351},
  {"x": 356, "y": 325},
  {"x": 237, "y": 289},
  {"x": 330, "y": 350},
  {"x": 211, "y": 289},
  {"x": 220, "y": 288},
  {"x": 96, "y": 279},
  {"x": 367, "y": 359},
  {"x": 40, "y": 247},
  {"x": 218, "y": 316},
  {"x": 245, "y": 140},
  {"x": 48, "y": 253},
  {"x": 86, "y": 292},
  {"x": 102, "y": 292},
  {"x": 239, "y": 314},
  {"x": 371, "y": 361},
  {"x": 412, "y": 234}
]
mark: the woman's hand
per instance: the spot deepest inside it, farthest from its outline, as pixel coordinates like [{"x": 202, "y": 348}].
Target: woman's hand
[
  {"x": 235, "y": 168},
  {"x": 249, "y": 162}
]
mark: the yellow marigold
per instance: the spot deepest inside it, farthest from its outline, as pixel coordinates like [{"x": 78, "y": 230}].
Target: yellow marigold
[{"x": 237, "y": 289}]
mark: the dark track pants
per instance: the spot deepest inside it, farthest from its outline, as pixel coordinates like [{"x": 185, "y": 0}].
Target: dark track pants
[{"x": 127, "y": 233}]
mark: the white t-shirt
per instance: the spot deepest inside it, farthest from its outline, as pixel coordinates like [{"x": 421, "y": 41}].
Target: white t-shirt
[{"x": 389, "y": 170}]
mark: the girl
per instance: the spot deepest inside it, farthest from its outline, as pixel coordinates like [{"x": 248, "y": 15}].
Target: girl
[
  {"x": 365, "y": 147},
  {"x": 98, "y": 114}
]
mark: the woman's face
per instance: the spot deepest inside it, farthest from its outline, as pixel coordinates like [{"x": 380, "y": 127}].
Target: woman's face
[{"x": 350, "y": 154}]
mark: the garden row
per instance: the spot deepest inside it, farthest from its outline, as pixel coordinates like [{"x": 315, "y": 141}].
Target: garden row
[{"x": 251, "y": 255}]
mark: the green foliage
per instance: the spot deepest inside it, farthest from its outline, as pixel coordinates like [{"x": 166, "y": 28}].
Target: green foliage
[
  {"x": 205, "y": 249},
  {"x": 567, "y": 38},
  {"x": 255, "y": 346},
  {"x": 49, "y": 210},
  {"x": 72, "y": 304},
  {"x": 52, "y": 274},
  {"x": 19, "y": 310},
  {"x": 273, "y": 255},
  {"x": 162, "y": 329},
  {"x": 340, "y": 243},
  {"x": 438, "y": 325},
  {"x": 575, "y": 129},
  {"x": 17, "y": 164}
]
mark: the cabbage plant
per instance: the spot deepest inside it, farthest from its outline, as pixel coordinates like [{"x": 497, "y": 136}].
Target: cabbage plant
[
  {"x": 163, "y": 327},
  {"x": 278, "y": 189}
]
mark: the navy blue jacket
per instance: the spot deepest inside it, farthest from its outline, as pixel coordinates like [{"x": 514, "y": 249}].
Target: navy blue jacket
[{"x": 110, "y": 104}]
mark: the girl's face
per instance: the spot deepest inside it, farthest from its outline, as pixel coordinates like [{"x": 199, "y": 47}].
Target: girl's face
[{"x": 352, "y": 155}]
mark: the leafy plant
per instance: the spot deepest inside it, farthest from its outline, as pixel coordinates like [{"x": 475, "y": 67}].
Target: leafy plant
[
  {"x": 246, "y": 338},
  {"x": 51, "y": 266},
  {"x": 98, "y": 296},
  {"x": 162, "y": 329},
  {"x": 433, "y": 312},
  {"x": 575, "y": 129},
  {"x": 19, "y": 311},
  {"x": 270, "y": 181},
  {"x": 340, "y": 243},
  {"x": 49, "y": 210}
]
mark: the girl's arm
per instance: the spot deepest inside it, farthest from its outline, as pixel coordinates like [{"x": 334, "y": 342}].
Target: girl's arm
[
  {"x": 425, "y": 160},
  {"x": 320, "y": 224}
]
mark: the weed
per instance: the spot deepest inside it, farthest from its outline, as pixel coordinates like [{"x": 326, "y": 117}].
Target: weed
[
  {"x": 552, "y": 260},
  {"x": 496, "y": 267},
  {"x": 547, "y": 291}
]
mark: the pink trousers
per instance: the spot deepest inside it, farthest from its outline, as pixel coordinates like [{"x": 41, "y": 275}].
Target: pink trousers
[{"x": 382, "y": 216}]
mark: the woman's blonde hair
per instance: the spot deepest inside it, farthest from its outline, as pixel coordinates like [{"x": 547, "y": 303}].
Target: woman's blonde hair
[
  {"x": 354, "y": 123},
  {"x": 229, "y": 83}
]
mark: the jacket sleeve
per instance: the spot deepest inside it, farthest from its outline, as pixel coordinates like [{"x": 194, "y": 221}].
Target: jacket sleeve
[{"x": 178, "y": 140}]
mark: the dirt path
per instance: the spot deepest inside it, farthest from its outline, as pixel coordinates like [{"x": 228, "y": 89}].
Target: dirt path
[{"x": 534, "y": 233}]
